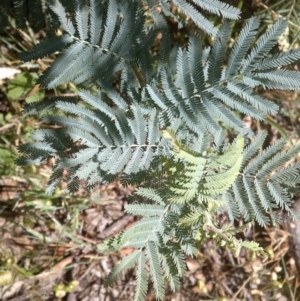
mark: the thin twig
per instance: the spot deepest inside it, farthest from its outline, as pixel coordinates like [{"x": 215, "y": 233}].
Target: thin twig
[{"x": 279, "y": 15}]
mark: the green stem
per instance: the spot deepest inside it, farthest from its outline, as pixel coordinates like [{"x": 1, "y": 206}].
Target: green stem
[{"x": 273, "y": 123}]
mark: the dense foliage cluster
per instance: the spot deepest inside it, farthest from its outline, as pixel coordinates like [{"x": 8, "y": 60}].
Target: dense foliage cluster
[{"x": 163, "y": 126}]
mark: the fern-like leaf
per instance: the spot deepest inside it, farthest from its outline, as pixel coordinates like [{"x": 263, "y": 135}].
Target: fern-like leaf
[
  {"x": 46, "y": 47},
  {"x": 241, "y": 46},
  {"x": 141, "y": 280},
  {"x": 218, "y": 54},
  {"x": 219, "y": 8},
  {"x": 258, "y": 191},
  {"x": 128, "y": 262},
  {"x": 59, "y": 10},
  {"x": 264, "y": 45},
  {"x": 155, "y": 271},
  {"x": 145, "y": 209}
]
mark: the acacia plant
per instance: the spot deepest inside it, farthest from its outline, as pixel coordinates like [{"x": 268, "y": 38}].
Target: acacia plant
[{"x": 160, "y": 121}]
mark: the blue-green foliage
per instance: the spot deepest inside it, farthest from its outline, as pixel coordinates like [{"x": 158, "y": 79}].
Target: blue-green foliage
[
  {"x": 174, "y": 215},
  {"x": 161, "y": 127}
]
